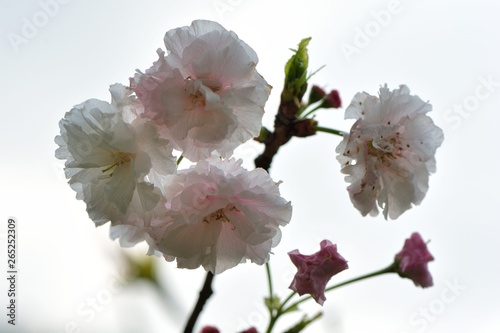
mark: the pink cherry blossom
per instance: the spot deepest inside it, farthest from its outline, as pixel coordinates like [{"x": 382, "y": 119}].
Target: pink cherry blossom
[
  {"x": 206, "y": 95},
  {"x": 389, "y": 151},
  {"x": 412, "y": 261},
  {"x": 220, "y": 215},
  {"x": 314, "y": 271}
]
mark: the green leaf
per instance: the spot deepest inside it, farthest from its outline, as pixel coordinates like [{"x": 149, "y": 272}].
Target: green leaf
[
  {"x": 272, "y": 303},
  {"x": 303, "y": 323},
  {"x": 263, "y": 135},
  {"x": 292, "y": 308}
]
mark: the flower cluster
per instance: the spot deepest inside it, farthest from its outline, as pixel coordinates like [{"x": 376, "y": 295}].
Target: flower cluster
[{"x": 203, "y": 99}]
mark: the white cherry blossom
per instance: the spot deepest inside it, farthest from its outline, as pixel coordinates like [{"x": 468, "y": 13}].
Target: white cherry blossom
[
  {"x": 389, "y": 152},
  {"x": 220, "y": 215},
  {"x": 109, "y": 162}
]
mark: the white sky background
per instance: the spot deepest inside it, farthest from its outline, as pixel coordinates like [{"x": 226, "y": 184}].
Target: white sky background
[{"x": 443, "y": 50}]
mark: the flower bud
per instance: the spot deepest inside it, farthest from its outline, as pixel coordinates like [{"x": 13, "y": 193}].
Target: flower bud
[
  {"x": 296, "y": 73},
  {"x": 316, "y": 94},
  {"x": 314, "y": 271},
  {"x": 209, "y": 329},
  {"x": 332, "y": 100},
  {"x": 412, "y": 261},
  {"x": 250, "y": 330}
]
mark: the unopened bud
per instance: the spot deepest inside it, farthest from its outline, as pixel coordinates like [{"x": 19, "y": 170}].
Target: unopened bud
[
  {"x": 296, "y": 73},
  {"x": 332, "y": 100},
  {"x": 316, "y": 94},
  {"x": 305, "y": 127},
  {"x": 209, "y": 329}
]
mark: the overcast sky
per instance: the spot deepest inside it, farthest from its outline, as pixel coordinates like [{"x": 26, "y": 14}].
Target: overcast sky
[{"x": 56, "y": 54}]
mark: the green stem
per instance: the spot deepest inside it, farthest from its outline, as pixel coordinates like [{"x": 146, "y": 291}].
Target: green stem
[
  {"x": 272, "y": 322},
  {"x": 274, "y": 319},
  {"x": 329, "y": 130},
  {"x": 286, "y": 301},
  {"x": 389, "y": 269},
  {"x": 179, "y": 159},
  {"x": 311, "y": 111},
  {"x": 270, "y": 283}
]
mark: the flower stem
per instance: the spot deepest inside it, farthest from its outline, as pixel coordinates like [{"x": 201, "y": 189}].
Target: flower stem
[
  {"x": 278, "y": 313},
  {"x": 179, "y": 159},
  {"x": 205, "y": 294},
  {"x": 330, "y": 130},
  {"x": 311, "y": 111},
  {"x": 282, "y": 310},
  {"x": 270, "y": 283},
  {"x": 389, "y": 269}
]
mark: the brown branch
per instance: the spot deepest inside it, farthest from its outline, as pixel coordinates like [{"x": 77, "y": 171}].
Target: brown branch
[
  {"x": 205, "y": 294},
  {"x": 286, "y": 125}
]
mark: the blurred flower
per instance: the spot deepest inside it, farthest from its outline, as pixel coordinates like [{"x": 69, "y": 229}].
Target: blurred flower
[
  {"x": 314, "y": 271},
  {"x": 250, "y": 330},
  {"x": 209, "y": 329},
  {"x": 205, "y": 95},
  {"x": 330, "y": 100},
  {"x": 220, "y": 215},
  {"x": 316, "y": 94},
  {"x": 412, "y": 261},
  {"x": 389, "y": 151},
  {"x": 108, "y": 161}
]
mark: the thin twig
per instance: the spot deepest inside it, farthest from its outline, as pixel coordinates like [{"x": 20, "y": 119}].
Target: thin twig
[{"x": 205, "y": 294}]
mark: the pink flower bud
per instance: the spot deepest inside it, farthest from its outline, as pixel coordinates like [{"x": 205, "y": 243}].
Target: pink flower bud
[
  {"x": 210, "y": 329},
  {"x": 412, "y": 261},
  {"x": 314, "y": 271},
  {"x": 316, "y": 94},
  {"x": 332, "y": 100},
  {"x": 250, "y": 330}
]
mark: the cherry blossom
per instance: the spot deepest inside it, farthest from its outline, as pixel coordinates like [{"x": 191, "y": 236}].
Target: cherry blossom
[
  {"x": 389, "y": 152},
  {"x": 314, "y": 271},
  {"x": 220, "y": 215},
  {"x": 411, "y": 261},
  {"x": 109, "y": 160},
  {"x": 206, "y": 95}
]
